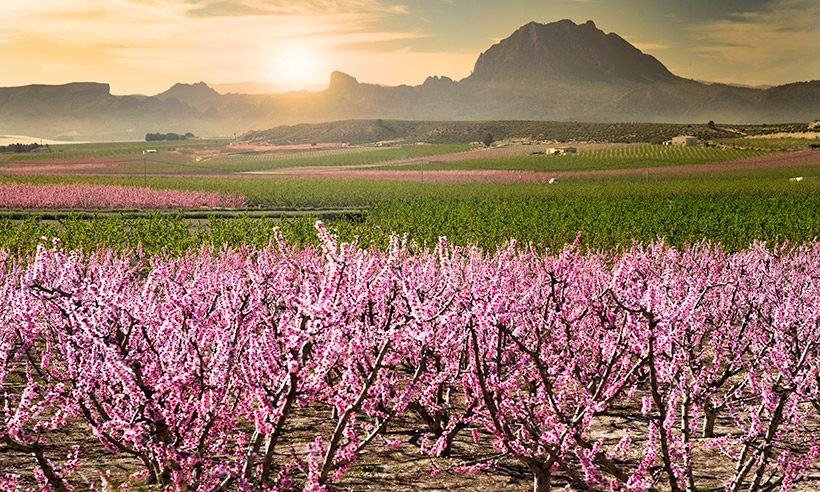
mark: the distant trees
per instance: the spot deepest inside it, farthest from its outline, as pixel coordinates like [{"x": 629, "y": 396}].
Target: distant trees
[
  {"x": 488, "y": 139},
  {"x": 19, "y": 147},
  {"x": 156, "y": 137}
]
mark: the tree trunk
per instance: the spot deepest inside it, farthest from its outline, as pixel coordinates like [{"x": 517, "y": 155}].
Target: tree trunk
[
  {"x": 709, "y": 418},
  {"x": 541, "y": 478},
  {"x": 448, "y": 447}
]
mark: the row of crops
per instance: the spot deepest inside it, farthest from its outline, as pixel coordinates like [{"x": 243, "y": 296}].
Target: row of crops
[
  {"x": 771, "y": 144},
  {"x": 547, "y": 222},
  {"x": 440, "y": 158},
  {"x": 280, "y": 369},
  {"x": 622, "y": 157},
  {"x": 730, "y": 207},
  {"x": 345, "y": 156},
  {"x": 69, "y": 151},
  {"x": 99, "y": 196}
]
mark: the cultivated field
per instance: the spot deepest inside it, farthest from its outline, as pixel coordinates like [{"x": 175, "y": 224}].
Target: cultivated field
[{"x": 653, "y": 326}]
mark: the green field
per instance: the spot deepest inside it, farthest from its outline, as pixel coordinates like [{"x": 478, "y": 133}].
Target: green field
[
  {"x": 770, "y": 144},
  {"x": 170, "y": 160},
  {"x": 732, "y": 207},
  {"x": 69, "y": 151},
  {"x": 350, "y": 156},
  {"x": 610, "y": 212},
  {"x": 622, "y": 157}
]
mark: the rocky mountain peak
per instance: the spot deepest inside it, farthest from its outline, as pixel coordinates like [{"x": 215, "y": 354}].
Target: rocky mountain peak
[
  {"x": 567, "y": 51},
  {"x": 187, "y": 91},
  {"x": 340, "y": 81}
]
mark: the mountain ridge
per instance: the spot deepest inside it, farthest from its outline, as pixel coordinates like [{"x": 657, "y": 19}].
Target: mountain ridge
[{"x": 559, "y": 71}]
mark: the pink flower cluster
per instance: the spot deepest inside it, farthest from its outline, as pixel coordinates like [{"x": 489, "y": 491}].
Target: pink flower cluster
[
  {"x": 80, "y": 195},
  {"x": 596, "y": 371}
]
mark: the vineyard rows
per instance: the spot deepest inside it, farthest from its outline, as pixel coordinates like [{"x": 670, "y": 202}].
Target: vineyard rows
[
  {"x": 680, "y": 153},
  {"x": 345, "y": 156},
  {"x": 621, "y": 157},
  {"x": 645, "y": 370},
  {"x": 268, "y": 160}
]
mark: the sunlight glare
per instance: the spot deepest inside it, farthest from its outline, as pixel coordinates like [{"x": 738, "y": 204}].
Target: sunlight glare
[{"x": 296, "y": 63}]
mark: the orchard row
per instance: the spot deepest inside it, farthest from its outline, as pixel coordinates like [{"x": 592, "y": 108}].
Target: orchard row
[
  {"x": 648, "y": 369},
  {"x": 98, "y": 196}
]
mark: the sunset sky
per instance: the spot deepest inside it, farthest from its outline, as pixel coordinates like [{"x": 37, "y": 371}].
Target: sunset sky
[{"x": 145, "y": 46}]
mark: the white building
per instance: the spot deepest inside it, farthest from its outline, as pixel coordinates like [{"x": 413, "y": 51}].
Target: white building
[
  {"x": 683, "y": 140},
  {"x": 561, "y": 150}
]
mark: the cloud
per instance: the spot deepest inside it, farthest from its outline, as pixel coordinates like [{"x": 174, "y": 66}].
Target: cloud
[
  {"x": 224, "y": 8},
  {"x": 763, "y": 37},
  {"x": 779, "y": 43},
  {"x": 650, "y": 46},
  {"x": 373, "y": 42},
  {"x": 146, "y": 45}
]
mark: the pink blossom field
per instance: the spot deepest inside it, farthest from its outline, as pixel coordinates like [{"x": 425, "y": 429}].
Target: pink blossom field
[
  {"x": 339, "y": 367},
  {"x": 96, "y": 196},
  {"x": 56, "y": 166}
]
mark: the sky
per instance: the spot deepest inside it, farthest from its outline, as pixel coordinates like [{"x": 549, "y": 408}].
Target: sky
[{"x": 145, "y": 46}]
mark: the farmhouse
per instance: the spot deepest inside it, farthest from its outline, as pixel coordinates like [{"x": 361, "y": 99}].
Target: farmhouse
[
  {"x": 561, "y": 150},
  {"x": 682, "y": 140}
]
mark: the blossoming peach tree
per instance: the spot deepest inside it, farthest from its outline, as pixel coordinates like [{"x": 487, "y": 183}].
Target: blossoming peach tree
[{"x": 636, "y": 370}]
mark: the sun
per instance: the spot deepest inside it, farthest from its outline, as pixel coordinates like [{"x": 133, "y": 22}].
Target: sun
[{"x": 296, "y": 63}]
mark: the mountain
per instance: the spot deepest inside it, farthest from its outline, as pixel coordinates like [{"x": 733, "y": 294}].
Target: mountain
[
  {"x": 198, "y": 95},
  {"x": 88, "y": 111},
  {"x": 564, "y": 51},
  {"x": 559, "y": 71},
  {"x": 264, "y": 88}
]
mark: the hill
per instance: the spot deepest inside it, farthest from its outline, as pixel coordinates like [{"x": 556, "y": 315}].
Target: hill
[{"x": 450, "y": 132}]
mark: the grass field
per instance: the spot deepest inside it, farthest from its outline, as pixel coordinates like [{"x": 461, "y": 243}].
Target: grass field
[
  {"x": 729, "y": 205},
  {"x": 348, "y": 156},
  {"x": 608, "y": 211},
  {"x": 621, "y": 157},
  {"x": 103, "y": 149},
  {"x": 770, "y": 144},
  {"x": 205, "y": 158}
]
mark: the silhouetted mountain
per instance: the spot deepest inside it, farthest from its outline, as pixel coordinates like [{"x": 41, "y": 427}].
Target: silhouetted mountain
[
  {"x": 88, "y": 111},
  {"x": 546, "y": 72},
  {"x": 198, "y": 95},
  {"x": 563, "y": 51},
  {"x": 266, "y": 88}
]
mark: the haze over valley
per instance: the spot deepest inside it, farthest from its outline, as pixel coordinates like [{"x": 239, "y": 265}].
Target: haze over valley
[{"x": 558, "y": 71}]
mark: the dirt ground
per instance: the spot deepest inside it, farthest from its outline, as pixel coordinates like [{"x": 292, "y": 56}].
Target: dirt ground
[{"x": 404, "y": 468}]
